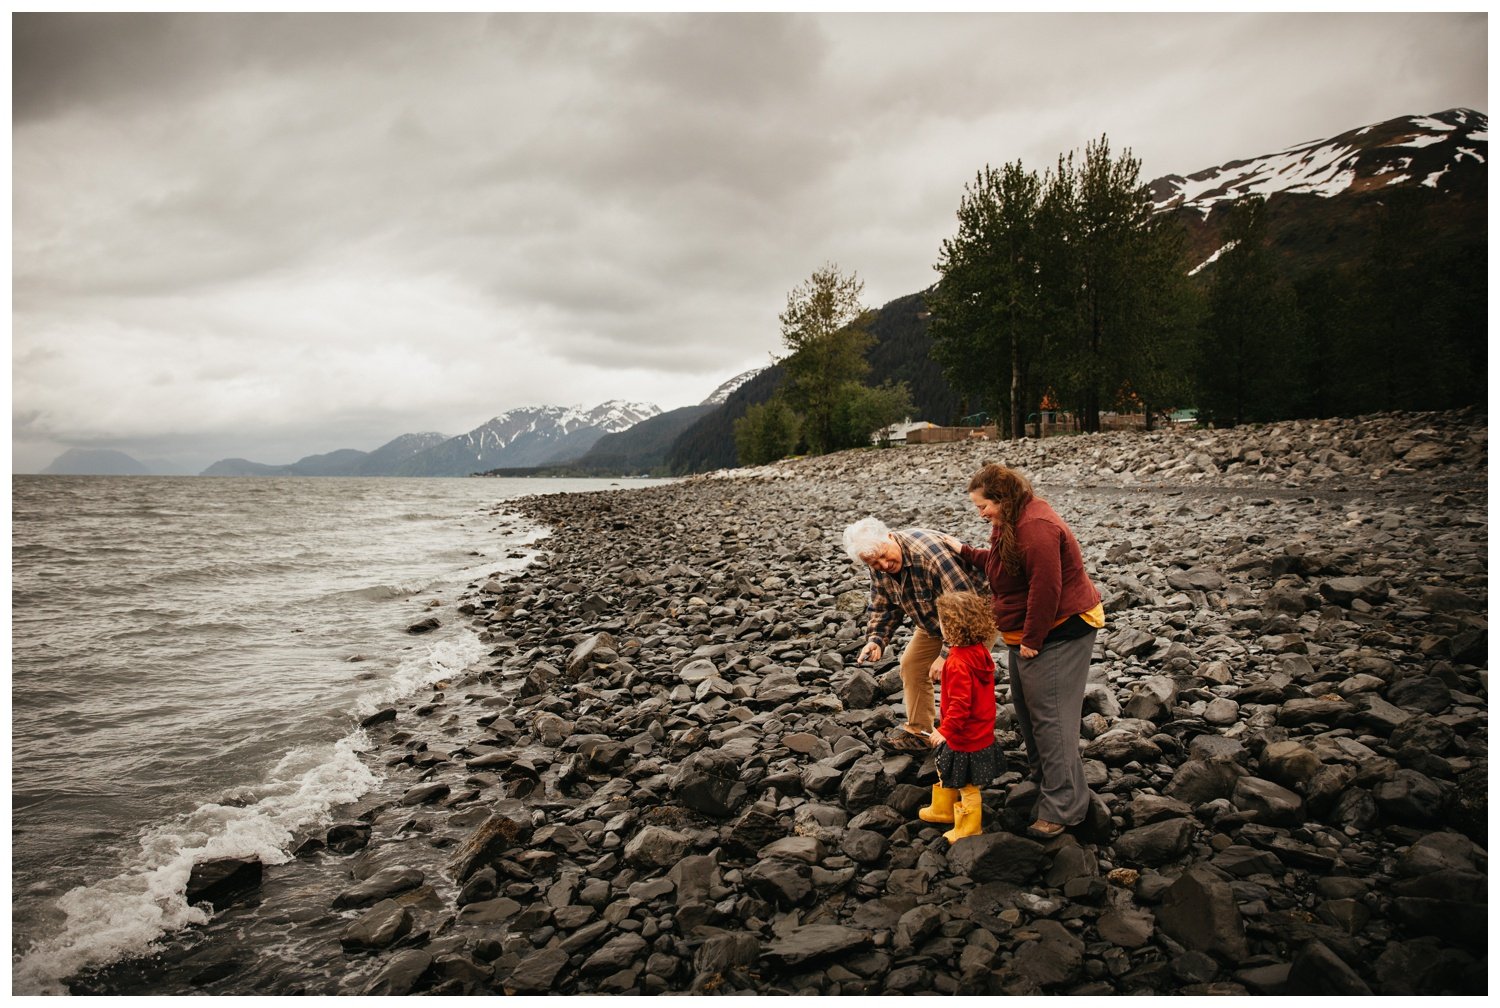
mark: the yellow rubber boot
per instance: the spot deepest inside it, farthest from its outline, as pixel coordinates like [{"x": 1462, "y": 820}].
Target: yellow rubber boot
[
  {"x": 966, "y": 815},
  {"x": 941, "y": 809}
]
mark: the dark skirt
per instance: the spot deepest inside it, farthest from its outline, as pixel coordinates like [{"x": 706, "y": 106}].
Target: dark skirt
[{"x": 961, "y": 769}]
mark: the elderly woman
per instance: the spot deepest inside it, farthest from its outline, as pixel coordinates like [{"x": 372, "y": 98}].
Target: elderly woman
[
  {"x": 908, "y": 570},
  {"x": 1048, "y": 613}
]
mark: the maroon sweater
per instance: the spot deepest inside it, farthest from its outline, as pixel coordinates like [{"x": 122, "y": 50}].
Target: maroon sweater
[{"x": 1052, "y": 585}]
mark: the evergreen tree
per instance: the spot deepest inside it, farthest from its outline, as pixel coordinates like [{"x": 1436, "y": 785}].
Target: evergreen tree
[
  {"x": 1101, "y": 216},
  {"x": 824, "y": 327},
  {"x": 768, "y": 431},
  {"x": 1251, "y": 361},
  {"x": 988, "y": 318}
]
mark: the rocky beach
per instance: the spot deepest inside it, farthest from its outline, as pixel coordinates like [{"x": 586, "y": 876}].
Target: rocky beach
[{"x": 666, "y": 776}]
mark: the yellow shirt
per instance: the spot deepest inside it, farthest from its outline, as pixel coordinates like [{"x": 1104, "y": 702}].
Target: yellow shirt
[{"x": 1094, "y": 618}]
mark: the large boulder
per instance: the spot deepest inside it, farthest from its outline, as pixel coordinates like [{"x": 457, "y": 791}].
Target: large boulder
[{"x": 1200, "y": 911}]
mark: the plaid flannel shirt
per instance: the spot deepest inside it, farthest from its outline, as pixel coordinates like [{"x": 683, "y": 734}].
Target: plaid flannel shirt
[{"x": 929, "y": 567}]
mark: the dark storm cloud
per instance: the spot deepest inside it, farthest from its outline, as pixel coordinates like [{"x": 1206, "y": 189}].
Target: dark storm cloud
[{"x": 255, "y": 225}]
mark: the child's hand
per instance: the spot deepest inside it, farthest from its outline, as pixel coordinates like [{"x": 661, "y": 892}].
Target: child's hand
[{"x": 936, "y": 739}]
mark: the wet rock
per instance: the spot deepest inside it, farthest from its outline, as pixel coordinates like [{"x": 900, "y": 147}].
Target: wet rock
[
  {"x": 346, "y": 838},
  {"x": 379, "y": 927},
  {"x": 402, "y": 974},
  {"x": 223, "y": 881},
  {"x": 496, "y": 835},
  {"x": 384, "y": 883}
]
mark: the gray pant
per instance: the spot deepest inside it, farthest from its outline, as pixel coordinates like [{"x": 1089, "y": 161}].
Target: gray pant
[{"x": 1048, "y": 694}]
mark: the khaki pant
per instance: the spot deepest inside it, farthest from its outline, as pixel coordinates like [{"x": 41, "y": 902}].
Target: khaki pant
[{"x": 916, "y": 664}]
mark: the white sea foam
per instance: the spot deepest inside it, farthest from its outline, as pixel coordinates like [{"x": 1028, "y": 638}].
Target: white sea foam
[
  {"x": 126, "y": 914},
  {"x": 441, "y": 660}
]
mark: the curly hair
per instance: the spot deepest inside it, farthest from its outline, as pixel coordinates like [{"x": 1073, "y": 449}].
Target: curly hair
[
  {"x": 966, "y": 619},
  {"x": 1012, "y": 492}
]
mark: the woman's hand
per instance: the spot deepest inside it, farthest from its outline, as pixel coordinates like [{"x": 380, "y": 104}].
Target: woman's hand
[
  {"x": 935, "y": 673},
  {"x": 1027, "y": 652},
  {"x": 871, "y": 652}
]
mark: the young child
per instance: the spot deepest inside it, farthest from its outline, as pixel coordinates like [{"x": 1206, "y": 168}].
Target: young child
[{"x": 967, "y": 757}]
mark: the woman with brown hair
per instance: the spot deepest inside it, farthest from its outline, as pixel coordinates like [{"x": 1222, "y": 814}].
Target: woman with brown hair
[{"x": 1048, "y": 613}]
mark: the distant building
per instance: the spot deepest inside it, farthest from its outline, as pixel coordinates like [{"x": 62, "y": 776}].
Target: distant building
[{"x": 896, "y": 432}]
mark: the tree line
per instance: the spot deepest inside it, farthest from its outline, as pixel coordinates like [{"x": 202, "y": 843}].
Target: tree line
[{"x": 1066, "y": 290}]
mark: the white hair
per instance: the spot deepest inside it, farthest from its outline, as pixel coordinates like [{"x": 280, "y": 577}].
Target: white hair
[{"x": 865, "y": 537}]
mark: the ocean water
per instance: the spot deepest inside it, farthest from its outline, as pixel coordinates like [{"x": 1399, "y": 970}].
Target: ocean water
[{"x": 191, "y": 658}]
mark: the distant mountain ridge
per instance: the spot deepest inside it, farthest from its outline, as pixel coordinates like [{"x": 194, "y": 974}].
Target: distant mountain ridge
[
  {"x": 526, "y": 436},
  {"x": 95, "y": 462}
]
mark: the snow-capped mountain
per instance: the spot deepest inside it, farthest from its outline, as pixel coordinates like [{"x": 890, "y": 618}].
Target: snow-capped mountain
[
  {"x": 1431, "y": 151},
  {"x": 527, "y": 436},
  {"x": 722, "y": 393},
  {"x": 1322, "y": 195}
]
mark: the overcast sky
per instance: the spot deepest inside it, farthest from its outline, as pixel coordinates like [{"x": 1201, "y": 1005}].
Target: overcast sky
[{"x": 269, "y": 236}]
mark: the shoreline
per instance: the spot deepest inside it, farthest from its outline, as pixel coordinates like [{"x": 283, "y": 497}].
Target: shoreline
[{"x": 664, "y": 777}]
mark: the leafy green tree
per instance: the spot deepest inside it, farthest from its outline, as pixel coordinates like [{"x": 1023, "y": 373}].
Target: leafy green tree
[
  {"x": 824, "y": 327},
  {"x": 768, "y": 431},
  {"x": 988, "y": 322},
  {"x": 862, "y": 410}
]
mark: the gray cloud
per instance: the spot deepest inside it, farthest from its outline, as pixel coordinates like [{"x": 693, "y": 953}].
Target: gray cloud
[{"x": 290, "y": 233}]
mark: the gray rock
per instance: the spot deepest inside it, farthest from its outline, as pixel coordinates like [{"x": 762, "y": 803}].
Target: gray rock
[
  {"x": 616, "y": 954},
  {"x": 1199, "y": 911},
  {"x": 811, "y": 943},
  {"x": 708, "y": 782},
  {"x": 401, "y": 975},
  {"x": 221, "y": 882},
  {"x": 656, "y": 847},
  {"x": 1317, "y": 971},
  {"x": 384, "y": 924},
  {"x": 1197, "y": 782},
  {"x": 997, "y": 857},
  {"x": 536, "y": 972},
  {"x": 489, "y": 841},
  {"x": 384, "y": 883},
  {"x": 1410, "y": 798},
  {"x": 1155, "y": 844},
  {"x": 1270, "y": 802}
]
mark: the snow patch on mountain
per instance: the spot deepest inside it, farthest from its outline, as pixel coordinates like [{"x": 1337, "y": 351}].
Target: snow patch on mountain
[
  {"x": 723, "y": 392},
  {"x": 1373, "y": 156}
]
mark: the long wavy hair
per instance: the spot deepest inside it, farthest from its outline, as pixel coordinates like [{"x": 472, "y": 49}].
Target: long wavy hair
[{"x": 1012, "y": 491}]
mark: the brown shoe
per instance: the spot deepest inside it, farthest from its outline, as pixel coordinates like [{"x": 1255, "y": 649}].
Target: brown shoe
[
  {"x": 1044, "y": 830},
  {"x": 905, "y": 741}
]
